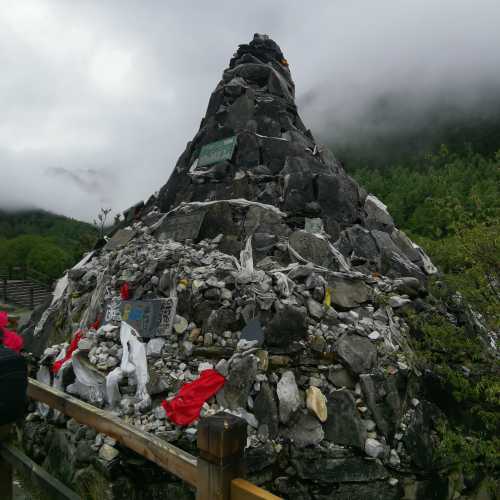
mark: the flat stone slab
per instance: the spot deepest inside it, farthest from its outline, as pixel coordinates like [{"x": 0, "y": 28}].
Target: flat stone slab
[
  {"x": 119, "y": 239},
  {"x": 180, "y": 227}
]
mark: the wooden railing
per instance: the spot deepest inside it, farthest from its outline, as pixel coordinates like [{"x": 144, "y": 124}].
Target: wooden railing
[{"x": 215, "y": 473}]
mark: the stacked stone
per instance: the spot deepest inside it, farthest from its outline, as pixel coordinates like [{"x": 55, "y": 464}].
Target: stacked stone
[
  {"x": 329, "y": 390},
  {"x": 278, "y": 162},
  {"x": 327, "y": 381}
]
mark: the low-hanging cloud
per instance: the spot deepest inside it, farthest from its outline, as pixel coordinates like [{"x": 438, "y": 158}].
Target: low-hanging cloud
[{"x": 99, "y": 98}]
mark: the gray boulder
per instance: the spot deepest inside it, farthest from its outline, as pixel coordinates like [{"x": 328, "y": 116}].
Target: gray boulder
[
  {"x": 239, "y": 381},
  {"x": 343, "y": 425},
  {"x": 358, "y": 353},
  {"x": 288, "y": 396}
]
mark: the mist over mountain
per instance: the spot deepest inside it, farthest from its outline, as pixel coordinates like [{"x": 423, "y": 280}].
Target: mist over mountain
[{"x": 100, "y": 119}]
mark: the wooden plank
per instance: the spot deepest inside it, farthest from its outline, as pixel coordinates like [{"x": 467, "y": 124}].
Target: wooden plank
[
  {"x": 243, "y": 490},
  {"x": 15, "y": 458},
  {"x": 167, "y": 456}
]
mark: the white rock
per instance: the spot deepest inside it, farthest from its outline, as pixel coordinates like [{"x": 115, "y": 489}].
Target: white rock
[
  {"x": 222, "y": 367},
  {"x": 155, "y": 347},
  {"x": 205, "y": 365},
  {"x": 159, "y": 412},
  {"x": 180, "y": 324},
  {"x": 397, "y": 301},
  {"x": 394, "y": 459},
  {"x": 244, "y": 345},
  {"x": 374, "y": 335},
  {"x": 288, "y": 396},
  {"x": 374, "y": 448},
  {"x": 369, "y": 425},
  {"x": 108, "y": 453},
  {"x": 85, "y": 345},
  {"x": 393, "y": 481}
]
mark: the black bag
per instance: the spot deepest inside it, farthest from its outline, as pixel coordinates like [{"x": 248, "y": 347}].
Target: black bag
[{"x": 13, "y": 385}]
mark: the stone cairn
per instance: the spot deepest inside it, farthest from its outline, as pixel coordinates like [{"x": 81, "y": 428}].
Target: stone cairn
[{"x": 275, "y": 268}]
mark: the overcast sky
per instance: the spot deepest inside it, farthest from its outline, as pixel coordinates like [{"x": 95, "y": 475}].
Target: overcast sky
[{"x": 99, "y": 98}]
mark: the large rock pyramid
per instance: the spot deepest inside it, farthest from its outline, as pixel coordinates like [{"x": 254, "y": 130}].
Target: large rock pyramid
[
  {"x": 252, "y": 145},
  {"x": 262, "y": 259}
]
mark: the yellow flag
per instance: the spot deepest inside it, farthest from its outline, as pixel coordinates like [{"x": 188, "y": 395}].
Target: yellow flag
[{"x": 328, "y": 297}]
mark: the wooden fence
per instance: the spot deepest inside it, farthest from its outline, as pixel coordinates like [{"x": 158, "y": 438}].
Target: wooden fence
[{"x": 216, "y": 473}]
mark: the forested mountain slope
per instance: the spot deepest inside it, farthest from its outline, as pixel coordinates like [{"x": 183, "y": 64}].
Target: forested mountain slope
[{"x": 42, "y": 242}]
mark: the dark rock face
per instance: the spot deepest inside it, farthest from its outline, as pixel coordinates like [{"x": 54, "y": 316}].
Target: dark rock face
[
  {"x": 327, "y": 466},
  {"x": 239, "y": 382},
  {"x": 287, "y": 325},
  {"x": 418, "y": 436},
  {"x": 358, "y": 353},
  {"x": 266, "y": 409},
  {"x": 383, "y": 399},
  {"x": 343, "y": 425},
  {"x": 276, "y": 161}
]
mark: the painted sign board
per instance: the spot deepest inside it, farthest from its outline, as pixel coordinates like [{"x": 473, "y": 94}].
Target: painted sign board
[
  {"x": 216, "y": 152},
  {"x": 150, "y": 318},
  {"x": 313, "y": 225}
]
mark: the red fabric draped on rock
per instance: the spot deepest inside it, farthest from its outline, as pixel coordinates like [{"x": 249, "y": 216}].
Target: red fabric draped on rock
[
  {"x": 11, "y": 340},
  {"x": 186, "y": 406},
  {"x": 125, "y": 291},
  {"x": 95, "y": 325},
  {"x": 71, "y": 349}
]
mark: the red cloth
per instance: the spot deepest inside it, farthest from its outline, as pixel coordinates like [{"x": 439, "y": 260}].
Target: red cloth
[
  {"x": 11, "y": 339},
  {"x": 96, "y": 324},
  {"x": 186, "y": 406},
  {"x": 71, "y": 349},
  {"x": 125, "y": 291}
]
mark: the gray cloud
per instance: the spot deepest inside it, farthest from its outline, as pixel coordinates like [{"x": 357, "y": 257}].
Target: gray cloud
[{"x": 99, "y": 98}]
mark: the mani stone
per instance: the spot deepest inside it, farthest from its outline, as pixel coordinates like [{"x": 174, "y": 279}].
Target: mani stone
[
  {"x": 358, "y": 353},
  {"x": 288, "y": 396},
  {"x": 316, "y": 402},
  {"x": 343, "y": 425}
]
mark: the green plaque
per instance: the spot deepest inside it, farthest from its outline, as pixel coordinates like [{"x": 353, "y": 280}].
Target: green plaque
[{"x": 216, "y": 152}]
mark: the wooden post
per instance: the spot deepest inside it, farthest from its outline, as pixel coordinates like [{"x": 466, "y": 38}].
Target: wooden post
[
  {"x": 6, "y": 473},
  {"x": 221, "y": 444},
  {"x": 32, "y": 301}
]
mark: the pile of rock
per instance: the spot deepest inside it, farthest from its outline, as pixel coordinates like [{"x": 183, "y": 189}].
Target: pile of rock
[
  {"x": 328, "y": 374},
  {"x": 260, "y": 258}
]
